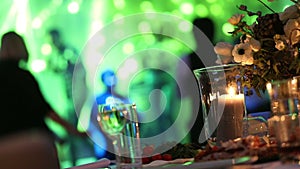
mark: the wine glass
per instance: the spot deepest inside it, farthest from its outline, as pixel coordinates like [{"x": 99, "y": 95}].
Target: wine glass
[
  {"x": 111, "y": 118},
  {"x": 119, "y": 121}
]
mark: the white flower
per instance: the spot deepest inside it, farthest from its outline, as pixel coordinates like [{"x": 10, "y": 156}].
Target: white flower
[
  {"x": 254, "y": 44},
  {"x": 224, "y": 52},
  {"x": 290, "y": 12},
  {"x": 242, "y": 53},
  {"x": 235, "y": 19},
  {"x": 223, "y": 48},
  {"x": 292, "y": 30}
]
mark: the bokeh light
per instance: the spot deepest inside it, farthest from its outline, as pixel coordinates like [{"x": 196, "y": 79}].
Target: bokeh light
[
  {"x": 201, "y": 10},
  {"x": 73, "y": 7},
  {"x": 36, "y": 23},
  {"x": 216, "y": 10},
  {"x": 227, "y": 27},
  {"x": 46, "y": 49},
  {"x": 187, "y": 8},
  {"x": 128, "y": 48},
  {"x": 38, "y": 65},
  {"x": 146, "y": 6},
  {"x": 119, "y": 4}
]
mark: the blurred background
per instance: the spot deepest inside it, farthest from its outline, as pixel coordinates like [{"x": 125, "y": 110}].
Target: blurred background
[{"x": 56, "y": 32}]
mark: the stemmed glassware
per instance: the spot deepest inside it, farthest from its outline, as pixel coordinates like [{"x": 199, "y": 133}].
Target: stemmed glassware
[
  {"x": 119, "y": 121},
  {"x": 111, "y": 118}
]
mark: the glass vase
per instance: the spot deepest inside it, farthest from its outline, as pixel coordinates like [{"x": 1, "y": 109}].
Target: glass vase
[{"x": 222, "y": 100}]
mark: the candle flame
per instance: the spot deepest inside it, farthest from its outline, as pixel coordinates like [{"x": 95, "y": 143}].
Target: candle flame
[
  {"x": 269, "y": 87},
  {"x": 231, "y": 91},
  {"x": 294, "y": 81}
]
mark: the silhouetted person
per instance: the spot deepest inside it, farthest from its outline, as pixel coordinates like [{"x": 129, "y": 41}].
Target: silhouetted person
[
  {"x": 102, "y": 141},
  {"x": 23, "y": 107},
  {"x": 63, "y": 63},
  {"x": 193, "y": 61}
]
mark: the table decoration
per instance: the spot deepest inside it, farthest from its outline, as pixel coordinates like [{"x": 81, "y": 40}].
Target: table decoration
[
  {"x": 268, "y": 49},
  {"x": 120, "y": 123},
  {"x": 268, "y": 53},
  {"x": 222, "y": 99},
  {"x": 250, "y": 146},
  {"x": 284, "y": 125}
]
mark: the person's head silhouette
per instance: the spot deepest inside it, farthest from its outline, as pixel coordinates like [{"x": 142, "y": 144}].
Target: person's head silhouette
[
  {"x": 206, "y": 25},
  {"x": 13, "y": 47},
  {"x": 109, "y": 78}
]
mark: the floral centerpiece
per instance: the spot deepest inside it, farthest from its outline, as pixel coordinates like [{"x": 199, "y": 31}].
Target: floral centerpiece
[{"x": 268, "y": 49}]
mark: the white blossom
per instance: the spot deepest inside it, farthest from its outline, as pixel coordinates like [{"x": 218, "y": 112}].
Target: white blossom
[
  {"x": 254, "y": 44},
  {"x": 224, "y": 52},
  {"x": 292, "y": 30},
  {"x": 235, "y": 19},
  {"x": 242, "y": 53},
  {"x": 290, "y": 12}
]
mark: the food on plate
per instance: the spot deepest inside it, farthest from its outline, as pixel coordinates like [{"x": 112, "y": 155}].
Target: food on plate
[
  {"x": 248, "y": 146},
  {"x": 173, "y": 151}
]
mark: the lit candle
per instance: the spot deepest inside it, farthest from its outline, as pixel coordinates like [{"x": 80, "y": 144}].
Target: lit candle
[{"x": 230, "y": 125}]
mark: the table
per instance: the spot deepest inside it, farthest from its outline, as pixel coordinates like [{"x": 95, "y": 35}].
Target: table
[{"x": 198, "y": 165}]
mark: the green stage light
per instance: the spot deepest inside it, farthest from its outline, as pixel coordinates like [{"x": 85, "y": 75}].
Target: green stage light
[
  {"x": 216, "y": 10},
  {"x": 176, "y": 1},
  {"x": 177, "y": 13},
  {"x": 201, "y": 10},
  {"x": 46, "y": 49},
  {"x": 187, "y": 8},
  {"x": 38, "y": 65},
  {"x": 119, "y": 4},
  {"x": 73, "y": 7},
  {"x": 211, "y": 1},
  {"x": 57, "y": 2},
  {"x": 146, "y": 6},
  {"x": 128, "y": 48},
  {"x": 227, "y": 27},
  {"x": 95, "y": 27},
  {"x": 36, "y": 23},
  {"x": 22, "y": 16}
]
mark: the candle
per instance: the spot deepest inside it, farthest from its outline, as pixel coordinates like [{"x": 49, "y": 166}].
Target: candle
[{"x": 231, "y": 122}]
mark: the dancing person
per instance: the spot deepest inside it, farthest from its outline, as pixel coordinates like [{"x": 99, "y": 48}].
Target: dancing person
[{"x": 23, "y": 106}]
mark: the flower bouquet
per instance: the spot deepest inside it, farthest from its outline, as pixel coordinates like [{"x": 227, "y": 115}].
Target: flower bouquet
[{"x": 268, "y": 49}]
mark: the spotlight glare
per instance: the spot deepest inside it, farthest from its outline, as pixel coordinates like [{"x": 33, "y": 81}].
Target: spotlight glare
[
  {"x": 36, "y": 23},
  {"x": 128, "y": 48},
  {"x": 46, "y": 49},
  {"x": 38, "y": 65},
  {"x": 227, "y": 27},
  {"x": 73, "y": 7},
  {"x": 187, "y": 8}
]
